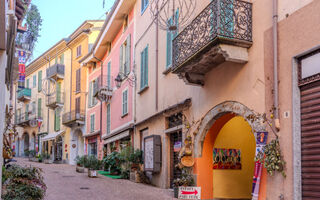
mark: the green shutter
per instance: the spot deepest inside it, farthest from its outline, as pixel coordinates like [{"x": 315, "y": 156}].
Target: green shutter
[
  {"x": 57, "y": 119},
  {"x": 27, "y": 111},
  {"x": 109, "y": 75},
  {"x": 28, "y": 86},
  {"x": 56, "y": 60},
  {"x": 146, "y": 65},
  {"x": 108, "y": 119},
  {"x": 142, "y": 71},
  {"x": 62, "y": 59},
  {"x": 121, "y": 60},
  {"x": 34, "y": 81},
  {"x": 90, "y": 94},
  {"x": 39, "y": 81},
  {"x": 58, "y": 92},
  {"x": 92, "y": 123},
  {"x": 39, "y": 107}
]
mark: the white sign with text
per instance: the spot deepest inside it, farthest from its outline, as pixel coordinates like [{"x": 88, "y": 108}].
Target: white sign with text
[{"x": 189, "y": 193}]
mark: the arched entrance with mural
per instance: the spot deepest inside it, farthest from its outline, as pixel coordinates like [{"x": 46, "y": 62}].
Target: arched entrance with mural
[
  {"x": 26, "y": 142},
  {"x": 224, "y": 151}
]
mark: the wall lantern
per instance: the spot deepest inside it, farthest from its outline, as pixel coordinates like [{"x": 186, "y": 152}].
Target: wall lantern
[
  {"x": 125, "y": 77},
  {"x": 118, "y": 81}
]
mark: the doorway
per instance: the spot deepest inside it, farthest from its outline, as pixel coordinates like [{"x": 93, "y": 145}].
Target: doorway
[
  {"x": 26, "y": 143},
  {"x": 58, "y": 149},
  {"x": 175, "y": 146}
]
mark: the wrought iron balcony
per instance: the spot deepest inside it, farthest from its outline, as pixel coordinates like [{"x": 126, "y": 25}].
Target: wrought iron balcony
[
  {"x": 221, "y": 32},
  {"x": 26, "y": 119},
  {"x": 103, "y": 92},
  {"x": 56, "y": 72},
  {"x": 24, "y": 94},
  {"x": 55, "y": 100},
  {"x": 74, "y": 117}
]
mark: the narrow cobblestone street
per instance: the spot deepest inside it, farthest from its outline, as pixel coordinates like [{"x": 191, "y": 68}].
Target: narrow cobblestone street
[{"x": 64, "y": 183}]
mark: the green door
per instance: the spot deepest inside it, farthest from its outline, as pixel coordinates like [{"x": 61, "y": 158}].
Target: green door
[{"x": 58, "y": 92}]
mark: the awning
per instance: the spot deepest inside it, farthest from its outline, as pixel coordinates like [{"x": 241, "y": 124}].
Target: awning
[
  {"x": 117, "y": 137},
  {"x": 91, "y": 134},
  {"x": 51, "y": 136}
]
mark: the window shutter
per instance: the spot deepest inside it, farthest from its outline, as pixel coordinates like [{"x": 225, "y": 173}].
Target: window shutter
[
  {"x": 78, "y": 105},
  {"x": 146, "y": 65},
  {"x": 34, "y": 81},
  {"x": 128, "y": 55},
  {"x": 92, "y": 123},
  {"x": 108, "y": 119},
  {"x": 169, "y": 44},
  {"x": 177, "y": 24},
  {"x": 39, "y": 107},
  {"x": 58, "y": 96},
  {"x": 109, "y": 76},
  {"x": 39, "y": 81},
  {"x": 62, "y": 59},
  {"x": 55, "y": 120},
  {"x": 78, "y": 74},
  {"x": 121, "y": 59},
  {"x": 27, "y": 111},
  {"x": 90, "y": 94},
  {"x": 142, "y": 70},
  {"x": 56, "y": 60},
  {"x": 28, "y": 83}
]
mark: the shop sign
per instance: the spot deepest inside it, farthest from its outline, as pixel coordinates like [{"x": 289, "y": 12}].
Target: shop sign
[
  {"x": 189, "y": 193},
  {"x": 177, "y": 146},
  {"x": 74, "y": 146},
  {"x": 65, "y": 147},
  {"x": 226, "y": 158}
]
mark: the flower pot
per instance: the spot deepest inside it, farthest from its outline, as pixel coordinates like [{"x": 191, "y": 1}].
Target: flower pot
[
  {"x": 79, "y": 169},
  {"x": 176, "y": 192},
  {"x": 92, "y": 173}
]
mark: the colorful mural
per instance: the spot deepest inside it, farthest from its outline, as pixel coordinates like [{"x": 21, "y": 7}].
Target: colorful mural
[{"x": 226, "y": 158}]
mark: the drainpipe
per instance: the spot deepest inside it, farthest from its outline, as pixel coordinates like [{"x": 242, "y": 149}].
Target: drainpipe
[
  {"x": 101, "y": 81},
  {"x": 157, "y": 57},
  {"x": 275, "y": 64}
]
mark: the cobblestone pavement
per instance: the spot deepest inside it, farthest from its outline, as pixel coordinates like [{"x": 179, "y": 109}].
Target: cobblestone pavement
[{"x": 64, "y": 183}]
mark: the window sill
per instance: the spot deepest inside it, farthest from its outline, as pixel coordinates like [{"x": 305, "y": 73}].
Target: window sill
[
  {"x": 124, "y": 115},
  {"x": 143, "y": 89},
  {"x": 167, "y": 71}
]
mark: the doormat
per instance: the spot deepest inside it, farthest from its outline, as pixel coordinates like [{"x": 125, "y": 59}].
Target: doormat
[
  {"x": 107, "y": 174},
  {"x": 226, "y": 158}
]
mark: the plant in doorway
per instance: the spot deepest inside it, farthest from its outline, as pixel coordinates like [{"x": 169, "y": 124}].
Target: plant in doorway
[
  {"x": 93, "y": 165},
  {"x": 186, "y": 179},
  {"x": 112, "y": 163}
]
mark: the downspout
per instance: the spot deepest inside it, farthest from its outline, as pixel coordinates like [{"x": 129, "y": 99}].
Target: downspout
[
  {"x": 101, "y": 81},
  {"x": 157, "y": 57},
  {"x": 275, "y": 64}
]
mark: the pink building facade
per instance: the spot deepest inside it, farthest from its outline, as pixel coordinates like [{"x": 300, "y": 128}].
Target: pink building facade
[{"x": 110, "y": 123}]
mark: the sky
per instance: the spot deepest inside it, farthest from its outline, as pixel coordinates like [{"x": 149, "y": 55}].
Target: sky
[{"x": 63, "y": 17}]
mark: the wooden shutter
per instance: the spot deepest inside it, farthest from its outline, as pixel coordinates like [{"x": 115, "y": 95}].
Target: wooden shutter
[
  {"x": 146, "y": 65},
  {"x": 39, "y": 81},
  {"x": 108, "y": 119},
  {"x": 109, "y": 75},
  {"x": 169, "y": 45},
  {"x": 121, "y": 60},
  {"x": 78, "y": 74},
  {"x": 142, "y": 71},
  {"x": 128, "y": 55},
  {"x": 39, "y": 107},
  {"x": 57, "y": 119},
  {"x": 58, "y": 96},
  {"x": 90, "y": 94},
  {"x": 78, "y": 105},
  {"x": 310, "y": 137}
]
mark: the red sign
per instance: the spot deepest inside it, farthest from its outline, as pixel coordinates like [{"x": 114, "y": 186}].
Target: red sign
[{"x": 65, "y": 147}]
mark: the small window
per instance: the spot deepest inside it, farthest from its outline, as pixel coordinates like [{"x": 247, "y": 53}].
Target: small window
[
  {"x": 125, "y": 57},
  {"x": 92, "y": 123},
  {"x": 124, "y": 102},
  {"x": 79, "y": 51},
  {"x": 144, "y": 5},
  {"x": 144, "y": 69}
]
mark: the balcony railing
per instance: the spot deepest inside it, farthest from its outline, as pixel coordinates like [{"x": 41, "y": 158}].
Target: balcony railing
[
  {"x": 73, "y": 117},
  {"x": 25, "y": 118},
  {"x": 221, "y": 22},
  {"x": 103, "y": 92},
  {"x": 56, "y": 71},
  {"x": 24, "y": 94},
  {"x": 55, "y": 100}
]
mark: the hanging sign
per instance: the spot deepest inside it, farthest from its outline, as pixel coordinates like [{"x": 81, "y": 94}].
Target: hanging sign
[
  {"x": 261, "y": 141},
  {"x": 226, "y": 158},
  {"x": 189, "y": 193},
  {"x": 177, "y": 146}
]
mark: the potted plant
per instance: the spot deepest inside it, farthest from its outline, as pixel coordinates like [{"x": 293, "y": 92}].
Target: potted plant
[
  {"x": 94, "y": 165},
  {"x": 40, "y": 159},
  {"x": 136, "y": 160},
  {"x": 46, "y": 158},
  {"x": 186, "y": 179},
  {"x": 26, "y": 153},
  {"x": 112, "y": 163},
  {"x": 80, "y": 163}
]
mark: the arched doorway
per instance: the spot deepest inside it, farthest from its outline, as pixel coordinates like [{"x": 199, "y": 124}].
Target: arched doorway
[
  {"x": 58, "y": 149},
  {"x": 225, "y": 130},
  {"x": 33, "y": 141},
  {"x": 25, "y": 143}
]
